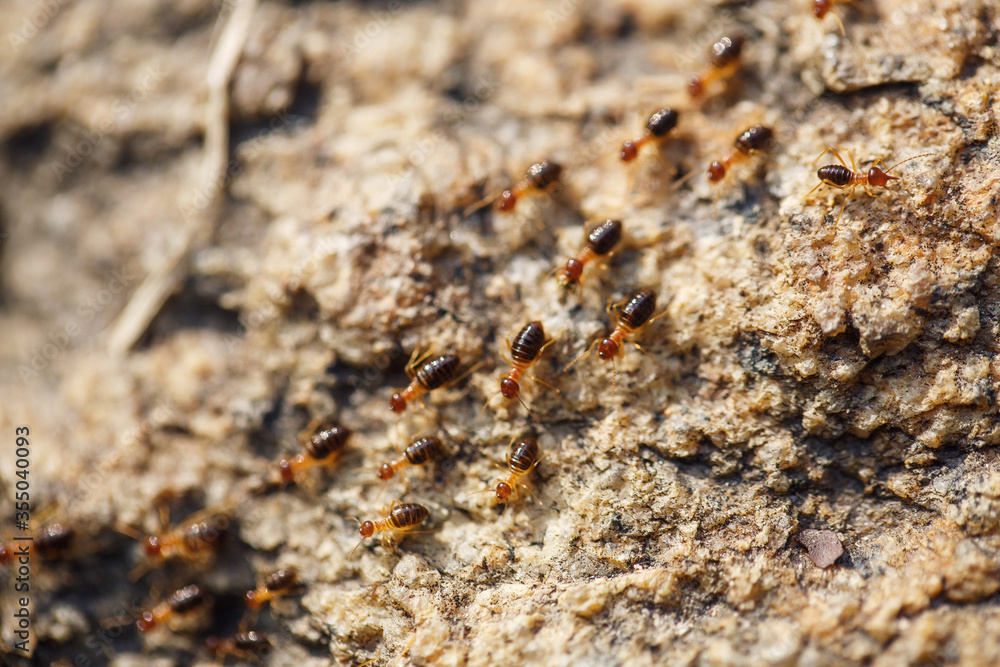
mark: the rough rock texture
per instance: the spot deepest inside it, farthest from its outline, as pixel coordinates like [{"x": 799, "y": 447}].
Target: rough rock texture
[{"x": 808, "y": 372}]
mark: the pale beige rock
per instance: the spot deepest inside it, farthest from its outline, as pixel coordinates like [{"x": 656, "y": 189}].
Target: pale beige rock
[{"x": 807, "y": 371}]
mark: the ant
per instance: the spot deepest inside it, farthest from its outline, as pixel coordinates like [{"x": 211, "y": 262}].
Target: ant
[
  {"x": 52, "y": 542},
  {"x": 657, "y": 127},
  {"x": 724, "y": 59},
  {"x": 400, "y": 517},
  {"x": 522, "y": 457},
  {"x": 181, "y": 602},
  {"x": 246, "y": 646},
  {"x": 600, "y": 242},
  {"x": 275, "y": 585},
  {"x": 542, "y": 176},
  {"x": 434, "y": 374},
  {"x": 633, "y": 316},
  {"x": 752, "y": 141},
  {"x": 420, "y": 452},
  {"x": 322, "y": 448},
  {"x": 524, "y": 352},
  {"x": 840, "y": 177},
  {"x": 194, "y": 540}
]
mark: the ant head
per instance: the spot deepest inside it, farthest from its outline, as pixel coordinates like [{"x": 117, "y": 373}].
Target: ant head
[
  {"x": 367, "y": 529},
  {"x": 821, "y": 7},
  {"x": 628, "y": 152},
  {"x": 5, "y": 556},
  {"x": 716, "y": 171},
  {"x": 506, "y": 201},
  {"x": 152, "y": 547},
  {"x": 571, "y": 273},
  {"x": 285, "y": 468},
  {"x": 252, "y": 600},
  {"x": 509, "y": 388},
  {"x": 397, "y": 403},
  {"x": 386, "y": 472},
  {"x": 695, "y": 88},
  {"x": 503, "y": 491},
  {"x": 607, "y": 349},
  {"x": 880, "y": 178},
  {"x": 146, "y": 622}
]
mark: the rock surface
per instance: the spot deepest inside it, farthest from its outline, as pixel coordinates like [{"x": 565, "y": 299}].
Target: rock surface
[{"x": 808, "y": 374}]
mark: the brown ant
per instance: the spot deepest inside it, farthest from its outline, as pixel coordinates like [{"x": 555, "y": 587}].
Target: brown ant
[
  {"x": 399, "y": 518},
  {"x": 657, "y": 127},
  {"x": 542, "y": 176},
  {"x": 420, "y": 452},
  {"x": 524, "y": 352},
  {"x": 840, "y": 177},
  {"x": 752, "y": 141},
  {"x": 275, "y": 585},
  {"x": 194, "y": 540},
  {"x": 436, "y": 373},
  {"x": 181, "y": 603},
  {"x": 246, "y": 646},
  {"x": 522, "y": 457},
  {"x": 635, "y": 315},
  {"x": 724, "y": 60},
  {"x": 322, "y": 448},
  {"x": 53, "y": 542},
  {"x": 600, "y": 242}
]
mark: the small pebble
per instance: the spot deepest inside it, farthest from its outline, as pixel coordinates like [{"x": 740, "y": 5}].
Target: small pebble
[{"x": 824, "y": 546}]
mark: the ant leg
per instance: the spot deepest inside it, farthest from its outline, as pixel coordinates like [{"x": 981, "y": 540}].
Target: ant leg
[
  {"x": 656, "y": 317},
  {"x": 592, "y": 345},
  {"x": 544, "y": 383},
  {"x": 614, "y": 376},
  {"x": 485, "y": 405},
  {"x": 843, "y": 32},
  {"x": 641, "y": 349},
  {"x": 818, "y": 185},
  {"x": 854, "y": 167},
  {"x": 831, "y": 149},
  {"x": 846, "y": 199}
]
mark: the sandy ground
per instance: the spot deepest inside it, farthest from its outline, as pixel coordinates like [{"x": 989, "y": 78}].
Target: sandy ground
[{"x": 200, "y": 255}]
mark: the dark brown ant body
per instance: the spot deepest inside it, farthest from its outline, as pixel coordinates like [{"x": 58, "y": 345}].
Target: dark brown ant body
[
  {"x": 751, "y": 142},
  {"x": 420, "y": 452},
  {"x": 600, "y": 242},
  {"x": 841, "y": 177},
  {"x": 400, "y": 517},
  {"x": 636, "y": 313},
  {"x": 524, "y": 352},
  {"x": 540, "y": 177},
  {"x": 543, "y": 176},
  {"x": 724, "y": 60},
  {"x": 274, "y": 585},
  {"x": 432, "y": 375},
  {"x": 194, "y": 540},
  {"x": 522, "y": 458},
  {"x": 180, "y": 603},
  {"x": 244, "y": 646},
  {"x": 322, "y": 448},
  {"x": 657, "y": 127}
]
